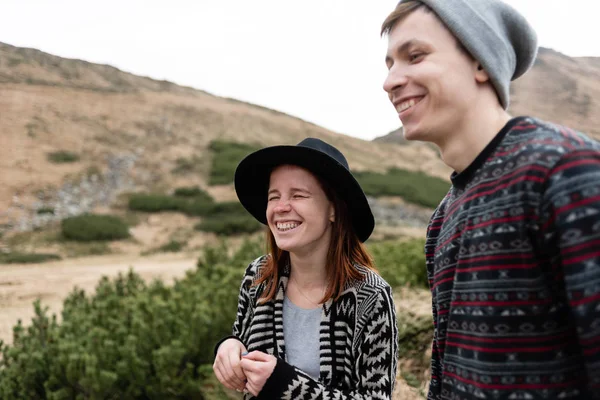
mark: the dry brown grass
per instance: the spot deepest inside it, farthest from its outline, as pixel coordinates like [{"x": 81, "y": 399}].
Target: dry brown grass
[
  {"x": 561, "y": 89},
  {"x": 49, "y": 103}
]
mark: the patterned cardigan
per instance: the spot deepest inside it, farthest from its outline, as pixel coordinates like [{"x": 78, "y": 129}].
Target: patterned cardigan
[{"x": 358, "y": 340}]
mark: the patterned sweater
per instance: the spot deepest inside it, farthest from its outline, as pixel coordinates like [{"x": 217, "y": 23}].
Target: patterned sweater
[
  {"x": 513, "y": 257},
  {"x": 358, "y": 340}
]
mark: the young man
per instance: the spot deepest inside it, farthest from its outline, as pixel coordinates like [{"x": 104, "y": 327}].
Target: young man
[{"x": 513, "y": 250}]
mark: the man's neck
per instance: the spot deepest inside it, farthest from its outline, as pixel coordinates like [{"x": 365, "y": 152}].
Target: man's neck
[{"x": 462, "y": 146}]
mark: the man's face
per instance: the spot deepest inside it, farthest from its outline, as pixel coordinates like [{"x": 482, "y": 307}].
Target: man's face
[{"x": 431, "y": 81}]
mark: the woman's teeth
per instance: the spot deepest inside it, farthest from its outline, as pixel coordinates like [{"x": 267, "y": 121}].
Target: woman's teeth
[{"x": 286, "y": 226}]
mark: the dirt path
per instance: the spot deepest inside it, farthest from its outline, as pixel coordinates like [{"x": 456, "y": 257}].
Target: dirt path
[{"x": 20, "y": 285}]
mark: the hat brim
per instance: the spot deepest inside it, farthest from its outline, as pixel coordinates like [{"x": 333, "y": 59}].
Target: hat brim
[{"x": 253, "y": 174}]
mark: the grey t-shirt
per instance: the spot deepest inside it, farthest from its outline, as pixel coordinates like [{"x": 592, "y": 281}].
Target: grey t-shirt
[{"x": 301, "y": 336}]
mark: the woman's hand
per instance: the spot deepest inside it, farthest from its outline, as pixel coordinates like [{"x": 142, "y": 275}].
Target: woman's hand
[
  {"x": 257, "y": 367},
  {"x": 227, "y": 365}
]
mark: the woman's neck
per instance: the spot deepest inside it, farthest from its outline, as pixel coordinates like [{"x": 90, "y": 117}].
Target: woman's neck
[{"x": 309, "y": 271}]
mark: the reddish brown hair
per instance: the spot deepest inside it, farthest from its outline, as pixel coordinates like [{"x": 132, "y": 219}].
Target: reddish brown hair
[{"x": 345, "y": 250}]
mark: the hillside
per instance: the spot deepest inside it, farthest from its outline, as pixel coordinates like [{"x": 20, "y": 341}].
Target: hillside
[
  {"x": 561, "y": 89},
  {"x": 558, "y": 88},
  {"x": 140, "y": 127}
]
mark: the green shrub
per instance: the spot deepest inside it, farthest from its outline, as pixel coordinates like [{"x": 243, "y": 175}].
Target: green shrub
[
  {"x": 217, "y": 210},
  {"x": 225, "y": 158},
  {"x": 415, "y": 333},
  {"x": 193, "y": 191},
  {"x": 130, "y": 340},
  {"x": 63, "y": 156},
  {"x": 133, "y": 340},
  {"x": 155, "y": 202},
  {"x": 228, "y": 218},
  {"x": 401, "y": 263},
  {"x": 227, "y": 225},
  {"x": 27, "y": 258},
  {"x": 172, "y": 247},
  {"x": 185, "y": 166},
  {"x": 223, "y": 218},
  {"x": 90, "y": 227},
  {"x": 414, "y": 187},
  {"x": 45, "y": 210},
  {"x": 81, "y": 249},
  {"x": 228, "y": 207},
  {"x": 196, "y": 206}
]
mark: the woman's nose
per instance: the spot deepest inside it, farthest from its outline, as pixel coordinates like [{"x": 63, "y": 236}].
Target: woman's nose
[{"x": 282, "y": 206}]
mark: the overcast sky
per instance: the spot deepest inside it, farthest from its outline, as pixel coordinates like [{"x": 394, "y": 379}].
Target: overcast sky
[{"x": 320, "y": 60}]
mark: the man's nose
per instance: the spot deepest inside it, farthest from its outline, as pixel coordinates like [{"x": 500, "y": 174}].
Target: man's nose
[{"x": 396, "y": 79}]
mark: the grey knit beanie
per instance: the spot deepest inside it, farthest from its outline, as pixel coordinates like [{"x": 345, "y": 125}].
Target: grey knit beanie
[{"x": 495, "y": 34}]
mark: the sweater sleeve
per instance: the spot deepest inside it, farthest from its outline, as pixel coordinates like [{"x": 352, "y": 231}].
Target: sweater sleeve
[
  {"x": 436, "y": 368},
  {"x": 436, "y": 365},
  {"x": 376, "y": 364},
  {"x": 571, "y": 217},
  {"x": 245, "y": 308}
]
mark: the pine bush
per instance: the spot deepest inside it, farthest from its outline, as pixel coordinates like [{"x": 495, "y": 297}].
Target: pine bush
[
  {"x": 155, "y": 202},
  {"x": 45, "y": 210},
  {"x": 27, "y": 258},
  {"x": 172, "y": 247},
  {"x": 229, "y": 218},
  {"x": 227, "y": 225},
  {"x": 191, "y": 191},
  {"x": 225, "y": 158},
  {"x": 413, "y": 186},
  {"x": 91, "y": 227},
  {"x": 130, "y": 340},
  {"x": 137, "y": 340},
  {"x": 62, "y": 156},
  {"x": 197, "y": 205},
  {"x": 401, "y": 263}
]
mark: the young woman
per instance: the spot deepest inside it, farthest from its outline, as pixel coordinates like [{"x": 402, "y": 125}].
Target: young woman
[{"x": 314, "y": 320}]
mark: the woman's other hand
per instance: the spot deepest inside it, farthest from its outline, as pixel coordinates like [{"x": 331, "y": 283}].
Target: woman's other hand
[
  {"x": 257, "y": 367},
  {"x": 227, "y": 365}
]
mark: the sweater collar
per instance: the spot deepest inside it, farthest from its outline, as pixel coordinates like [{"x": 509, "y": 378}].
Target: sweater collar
[{"x": 460, "y": 180}]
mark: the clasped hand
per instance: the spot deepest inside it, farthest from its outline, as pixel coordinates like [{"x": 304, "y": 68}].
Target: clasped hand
[{"x": 239, "y": 370}]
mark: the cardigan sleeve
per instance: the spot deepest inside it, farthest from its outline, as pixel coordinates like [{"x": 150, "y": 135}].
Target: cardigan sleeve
[
  {"x": 571, "y": 215},
  {"x": 376, "y": 363},
  {"x": 246, "y": 304}
]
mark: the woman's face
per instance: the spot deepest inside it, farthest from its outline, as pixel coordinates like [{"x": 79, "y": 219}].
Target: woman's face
[{"x": 299, "y": 214}]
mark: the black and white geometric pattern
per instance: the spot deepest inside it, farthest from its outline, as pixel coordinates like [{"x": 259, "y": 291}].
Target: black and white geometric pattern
[{"x": 358, "y": 340}]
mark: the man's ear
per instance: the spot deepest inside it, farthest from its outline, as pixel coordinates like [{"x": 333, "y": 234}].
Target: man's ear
[{"x": 481, "y": 76}]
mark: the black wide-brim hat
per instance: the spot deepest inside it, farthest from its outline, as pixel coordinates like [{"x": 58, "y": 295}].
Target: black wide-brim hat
[{"x": 322, "y": 159}]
